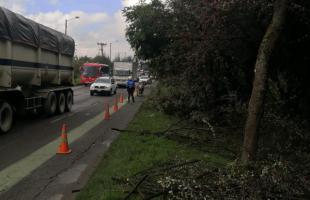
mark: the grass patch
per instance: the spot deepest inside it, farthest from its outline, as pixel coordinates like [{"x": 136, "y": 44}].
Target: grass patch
[{"x": 132, "y": 153}]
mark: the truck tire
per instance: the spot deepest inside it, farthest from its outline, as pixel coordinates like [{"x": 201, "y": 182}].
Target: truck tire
[
  {"x": 6, "y": 117},
  {"x": 61, "y": 103},
  {"x": 50, "y": 104},
  {"x": 69, "y": 101}
]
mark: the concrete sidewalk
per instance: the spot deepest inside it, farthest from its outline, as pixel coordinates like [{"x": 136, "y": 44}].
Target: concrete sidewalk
[{"x": 63, "y": 176}]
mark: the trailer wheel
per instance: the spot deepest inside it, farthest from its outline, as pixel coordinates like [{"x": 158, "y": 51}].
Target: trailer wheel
[
  {"x": 61, "y": 103},
  {"x": 50, "y": 104},
  {"x": 69, "y": 101},
  {"x": 6, "y": 117}
]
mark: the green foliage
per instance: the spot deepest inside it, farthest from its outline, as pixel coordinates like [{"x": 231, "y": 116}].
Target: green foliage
[
  {"x": 203, "y": 52},
  {"x": 147, "y": 30},
  {"x": 207, "y": 53},
  {"x": 192, "y": 48},
  {"x": 208, "y": 48},
  {"x": 100, "y": 59}
]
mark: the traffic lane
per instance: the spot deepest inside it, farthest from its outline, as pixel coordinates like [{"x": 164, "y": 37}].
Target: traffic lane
[
  {"x": 31, "y": 120},
  {"x": 82, "y": 102},
  {"x": 60, "y": 175},
  {"x": 29, "y": 134}
]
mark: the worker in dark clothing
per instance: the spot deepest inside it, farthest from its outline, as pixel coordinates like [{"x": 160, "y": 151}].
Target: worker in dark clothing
[{"x": 131, "y": 89}]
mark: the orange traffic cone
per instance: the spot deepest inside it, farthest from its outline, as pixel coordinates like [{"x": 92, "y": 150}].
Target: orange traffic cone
[
  {"x": 115, "y": 108},
  {"x": 64, "y": 147},
  {"x": 107, "y": 112},
  {"x": 121, "y": 98}
]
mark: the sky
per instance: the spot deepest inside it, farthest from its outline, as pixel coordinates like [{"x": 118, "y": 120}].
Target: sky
[{"x": 99, "y": 21}]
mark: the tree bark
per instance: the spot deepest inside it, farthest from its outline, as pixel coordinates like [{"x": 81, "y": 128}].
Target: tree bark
[{"x": 255, "y": 108}]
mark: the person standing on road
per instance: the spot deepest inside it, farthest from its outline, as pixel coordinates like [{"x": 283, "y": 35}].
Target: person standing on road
[{"x": 131, "y": 89}]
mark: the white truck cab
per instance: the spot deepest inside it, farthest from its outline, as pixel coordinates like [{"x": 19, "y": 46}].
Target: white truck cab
[{"x": 121, "y": 72}]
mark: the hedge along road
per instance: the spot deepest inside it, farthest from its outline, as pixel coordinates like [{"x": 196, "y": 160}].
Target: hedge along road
[{"x": 34, "y": 141}]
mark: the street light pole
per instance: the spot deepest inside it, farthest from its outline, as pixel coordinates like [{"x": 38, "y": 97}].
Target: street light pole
[
  {"x": 110, "y": 51},
  {"x": 66, "y": 26},
  {"x": 66, "y": 23}
]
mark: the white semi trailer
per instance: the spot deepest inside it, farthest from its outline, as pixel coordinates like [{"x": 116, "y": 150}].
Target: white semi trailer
[{"x": 36, "y": 72}]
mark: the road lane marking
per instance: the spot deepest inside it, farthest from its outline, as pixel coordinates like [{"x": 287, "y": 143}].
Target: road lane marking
[
  {"x": 22, "y": 168},
  {"x": 58, "y": 119}
]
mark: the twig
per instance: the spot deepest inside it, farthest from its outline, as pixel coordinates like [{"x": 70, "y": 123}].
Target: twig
[
  {"x": 122, "y": 130},
  {"x": 136, "y": 187},
  {"x": 191, "y": 128},
  {"x": 167, "y": 168},
  {"x": 172, "y": 125}
]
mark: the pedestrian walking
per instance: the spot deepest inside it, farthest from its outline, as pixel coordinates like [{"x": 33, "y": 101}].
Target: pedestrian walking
[{"x": 131, "y": 89}]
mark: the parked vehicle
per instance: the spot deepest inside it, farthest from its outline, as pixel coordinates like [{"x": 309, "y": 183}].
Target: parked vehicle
[
  {"x": 103, "y": 85},
  {"x": 145, "y": 79},
  {"x": 91, "y": 71},
  {"x": 36, "y": 72},
  {"x": 122, "y": 71}
]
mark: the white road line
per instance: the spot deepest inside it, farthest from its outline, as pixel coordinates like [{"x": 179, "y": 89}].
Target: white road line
[
  {"x": 58, "y": 119},
  {"x": 12, "y": 174}
]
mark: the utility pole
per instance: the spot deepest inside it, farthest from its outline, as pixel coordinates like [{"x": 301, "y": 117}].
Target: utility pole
[
  {"x": 101, "y": 45},
  {"x": 110, "y": 51},
  {"x": 66, "y": 26}
]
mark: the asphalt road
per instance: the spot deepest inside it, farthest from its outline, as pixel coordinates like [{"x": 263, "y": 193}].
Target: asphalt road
[{"x": 29, "y": 167}]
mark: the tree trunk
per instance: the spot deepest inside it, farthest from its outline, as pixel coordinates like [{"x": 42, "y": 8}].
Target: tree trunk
[{"x": 256, "y": 103}]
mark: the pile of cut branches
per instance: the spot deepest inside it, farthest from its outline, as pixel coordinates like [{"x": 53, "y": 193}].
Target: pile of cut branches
[
  {"x": 151, "y": 183},
  {"x": 196, "y": 180}
]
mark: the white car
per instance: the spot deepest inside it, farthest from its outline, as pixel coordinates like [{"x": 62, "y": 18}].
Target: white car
[
  {"x": 144, "y": 79},
  {"x": 103, "y": 85}
]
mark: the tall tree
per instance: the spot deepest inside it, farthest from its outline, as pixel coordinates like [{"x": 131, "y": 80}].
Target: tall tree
[{"x": 255, "y": 108}]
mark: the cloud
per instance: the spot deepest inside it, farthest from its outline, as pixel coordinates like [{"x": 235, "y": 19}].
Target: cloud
[
  {"x": 89, "y": 29},
  {"x": 130, "y": 2},
  {"x": 127, "y": 3},
  {"x": 17, "y": 6},
  {"x": 53, "y": 2}
]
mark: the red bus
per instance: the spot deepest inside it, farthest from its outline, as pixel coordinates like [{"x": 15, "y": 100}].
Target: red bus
[{"x": 91, "y": 71}]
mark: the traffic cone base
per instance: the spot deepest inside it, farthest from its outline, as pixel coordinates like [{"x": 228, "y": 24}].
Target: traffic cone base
[
  {"x": 107, "y": 112},
  {"x": 66, "y": 152},
  {"x": 64, "y": 146}
]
